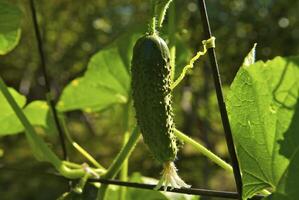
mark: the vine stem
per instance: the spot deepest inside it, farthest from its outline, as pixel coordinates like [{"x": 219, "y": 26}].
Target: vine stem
[
  {"x": 124, "y": 170},
  {"x": 217, "y": 160},
  {"x": 125, "y": 167},
  {"x": 76, "y": 146},
  {"x": 221, "y": 103},
  {"x": 172, "y": 39},
  {"x": 152, "y": 24},
  {"x": 206, "y": 152},
  {"x": 118, "y": 162}
]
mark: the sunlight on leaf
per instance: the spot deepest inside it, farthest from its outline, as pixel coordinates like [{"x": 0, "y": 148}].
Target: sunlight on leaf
[
  {"x": 106, "y": 81},
  {"x": 36, "y": 111},
  {"x": 263, "y": 110},
  {"x": 250, "y": 58},
  {"x": 7, "y": 113}
]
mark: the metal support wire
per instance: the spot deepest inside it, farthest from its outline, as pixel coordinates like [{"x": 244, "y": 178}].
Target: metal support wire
[
  {"x": 221, "y": 103},
  {"x": 191, "y": 191},
  {"x": 50, "y": 100}
]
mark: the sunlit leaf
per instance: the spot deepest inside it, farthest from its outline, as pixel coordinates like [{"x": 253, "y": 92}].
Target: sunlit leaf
[
  {"x": 106, "y": 81},
  {"x": 36, "y": 111},
  {"x": 250, "y": 58},
  {"x": 7, "y": 113},
  {"x": 263, "y": 109},
  {"x": 10, "y": 17}
]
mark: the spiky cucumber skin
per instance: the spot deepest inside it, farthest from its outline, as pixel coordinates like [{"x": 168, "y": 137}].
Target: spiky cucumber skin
[{"x": 151, "y": 81}]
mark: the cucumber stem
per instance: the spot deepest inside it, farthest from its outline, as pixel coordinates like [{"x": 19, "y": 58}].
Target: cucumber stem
[
  {"x": 172, "y": 39},
  {"x": 152, "y": 24},
  {"x": 161, "y": 7}
]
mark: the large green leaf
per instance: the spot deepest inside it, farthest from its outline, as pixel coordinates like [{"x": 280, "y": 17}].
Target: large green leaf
[
  {"x": 10, "y": 17},
  {"x": 106, "y": 81},
  {"x": 36, "y": 111},
  {"x": 288, "y": 186},
  {"x": 262, "y": 105}
]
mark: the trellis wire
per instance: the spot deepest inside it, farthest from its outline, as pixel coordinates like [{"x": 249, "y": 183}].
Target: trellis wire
[
  {"x": 46, "y": 78},
  {"x": 191, "y": 191},
  {"x": 221, "y": 104}
]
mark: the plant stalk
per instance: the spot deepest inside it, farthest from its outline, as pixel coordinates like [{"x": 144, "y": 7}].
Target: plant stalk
[
  {"x": 172, "y": 40},
  {"x": 118, "y": 162},
  {"x": 76, "y": 146},
  {"x": 125, "y": 167},
  {"x": 214, "y": 158}
]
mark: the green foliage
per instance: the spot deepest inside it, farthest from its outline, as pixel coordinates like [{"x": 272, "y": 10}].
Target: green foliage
[
  {"x": 36, "y": 112},
  {"x": 10, "y": 17},
  {"x": 263, "y": 101},
  {"x": 287, "y": 188},
  {"x": 107, "y": 79},
  {"x": 263, "y": 109},
  {"x": 104, "y": 83}
]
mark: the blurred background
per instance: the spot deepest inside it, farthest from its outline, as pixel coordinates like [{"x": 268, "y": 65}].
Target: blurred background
[{"x": 73, "y": 31}]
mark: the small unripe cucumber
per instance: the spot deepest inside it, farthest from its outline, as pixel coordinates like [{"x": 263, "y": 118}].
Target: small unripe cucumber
[{"x": 151, "y": 81}]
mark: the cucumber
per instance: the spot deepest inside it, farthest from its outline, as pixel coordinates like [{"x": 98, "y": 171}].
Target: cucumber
[
  {"x": 151, "y": 88},
  {"x": 151, "y": 81}
]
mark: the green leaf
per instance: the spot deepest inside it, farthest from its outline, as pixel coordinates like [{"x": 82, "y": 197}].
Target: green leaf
[
  {"x": 250, "y": 58},
  {"x": 288, "y": 186},
  {"x": 10, "y": 32},
  {"x": 36, "y": 112},
  {"x": 263, "y": 110},
  {"x": 7, "y": 114},
  {"x": 106, "y": 81}
]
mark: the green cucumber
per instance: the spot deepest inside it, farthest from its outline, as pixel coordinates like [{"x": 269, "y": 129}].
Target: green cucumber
[{"x": 151, "y": 81}]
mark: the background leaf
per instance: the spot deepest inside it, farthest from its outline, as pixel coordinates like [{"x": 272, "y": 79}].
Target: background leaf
[
  {"x": 36, "y": 111},
  {"x": 106, "y": 81},
  {"x": 10, "y": 32},
  {"x": 7, "y": 113},
  {"x": 263, "y": 110}
]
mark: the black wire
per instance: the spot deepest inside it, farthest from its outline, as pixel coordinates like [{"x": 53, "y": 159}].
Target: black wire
[
  {"x": 221, "y": 103},
  {"x": 46, "y": 78},
  {"x": 192, "y": 191}
]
